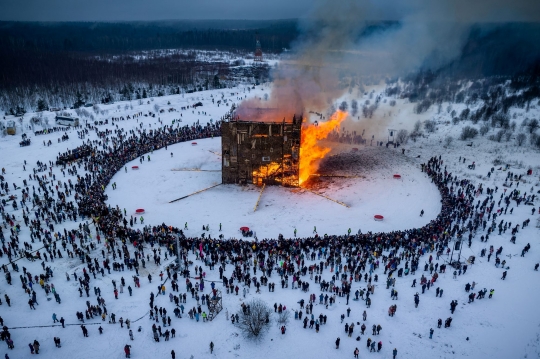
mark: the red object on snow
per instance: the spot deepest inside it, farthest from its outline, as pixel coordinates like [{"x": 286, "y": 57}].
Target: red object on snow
[
  {"x": 139, "y": 211},
  {"x": 244, "y": 229},
  {"x": 134, "y": 167},
  {"x": 355, "y": 149},
  {"x": 378, "y": 217},
  {"x": 193, "y": 143},
  {"x": 397, "y": 176}
]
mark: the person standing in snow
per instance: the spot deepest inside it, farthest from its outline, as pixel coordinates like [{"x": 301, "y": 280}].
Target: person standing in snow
[
  {"x": 127, "y": 350},
  {"x": 36, "y": 346}
]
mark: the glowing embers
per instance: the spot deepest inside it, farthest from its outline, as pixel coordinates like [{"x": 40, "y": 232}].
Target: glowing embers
[
  {"x": 275, "y": 173},
  {"x": 265, "y": 171}
]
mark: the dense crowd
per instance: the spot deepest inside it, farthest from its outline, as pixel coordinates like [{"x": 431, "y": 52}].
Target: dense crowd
[{"x": 348, "y": 258}]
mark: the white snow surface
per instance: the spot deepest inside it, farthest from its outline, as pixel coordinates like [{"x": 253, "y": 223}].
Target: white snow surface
[
  {"x": 506, "y": 326},
  {"x": 154, "y": 184}
]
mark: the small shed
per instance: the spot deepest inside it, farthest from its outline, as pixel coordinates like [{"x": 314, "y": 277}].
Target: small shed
[{"x": 10, "y": 127}]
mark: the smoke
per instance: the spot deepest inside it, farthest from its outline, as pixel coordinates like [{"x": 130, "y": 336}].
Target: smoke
[{"x": 347, "y": 39}]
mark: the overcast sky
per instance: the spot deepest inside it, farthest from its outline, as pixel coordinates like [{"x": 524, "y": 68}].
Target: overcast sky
[{"x": 147, "y": 10}]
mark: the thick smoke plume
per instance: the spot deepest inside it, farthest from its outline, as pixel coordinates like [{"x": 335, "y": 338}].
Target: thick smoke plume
[{"x": 345, "y": 39}]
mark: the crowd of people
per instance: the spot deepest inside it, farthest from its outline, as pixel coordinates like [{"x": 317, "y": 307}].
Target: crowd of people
[{"x": 333, "y": 263}]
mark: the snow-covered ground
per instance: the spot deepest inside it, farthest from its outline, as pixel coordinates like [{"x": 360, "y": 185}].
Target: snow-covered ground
[
  {"x": 154, "y": 184},
  {"x": 506, "y": 326}
]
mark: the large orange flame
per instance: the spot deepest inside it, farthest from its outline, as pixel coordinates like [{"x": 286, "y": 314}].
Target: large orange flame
[{"x": 310, "y": 152}]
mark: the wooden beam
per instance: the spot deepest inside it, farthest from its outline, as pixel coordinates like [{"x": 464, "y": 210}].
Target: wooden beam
[
  {"x": 328, "y": 198},
  {"x": 202, "y": 190},
  {"x": 338, "y": 176},
  {"x": 193, "y": 170},
  {"x": 260, "y": 195}
]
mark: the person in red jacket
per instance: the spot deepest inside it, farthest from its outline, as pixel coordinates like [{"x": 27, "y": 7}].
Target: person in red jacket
[{"x": 127, "y": 350}]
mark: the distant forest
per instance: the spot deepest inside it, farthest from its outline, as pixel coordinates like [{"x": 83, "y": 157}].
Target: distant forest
[
  {"x": 53, "y": 62},
  {"x": 106, "y": 37},
  {"x": 60, "y": 63}
]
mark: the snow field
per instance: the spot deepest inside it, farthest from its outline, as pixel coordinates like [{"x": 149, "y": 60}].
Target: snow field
[{"x": 505, "y": 326}]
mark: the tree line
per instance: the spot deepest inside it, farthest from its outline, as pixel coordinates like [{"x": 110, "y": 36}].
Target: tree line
[
  {"x": 105, "y": 62},
  {"x": 99, "y": 37}
]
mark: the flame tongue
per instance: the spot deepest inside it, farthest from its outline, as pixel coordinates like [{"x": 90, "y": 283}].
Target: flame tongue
[{"x": 310, "y": 152}]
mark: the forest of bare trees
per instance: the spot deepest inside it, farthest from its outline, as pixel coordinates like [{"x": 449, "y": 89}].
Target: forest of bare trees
[
  {"x": 58, "y": 76},
  {"x": 104, "y": 62}
]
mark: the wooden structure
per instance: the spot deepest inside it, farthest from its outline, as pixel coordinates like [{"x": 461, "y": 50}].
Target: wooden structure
[
  {"x": 215, "y": 305},
  {"x": 261, "y": 152}
]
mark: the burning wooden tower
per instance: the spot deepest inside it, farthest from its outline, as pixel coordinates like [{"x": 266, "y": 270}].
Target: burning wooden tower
[{"x": 264, "y": 152}]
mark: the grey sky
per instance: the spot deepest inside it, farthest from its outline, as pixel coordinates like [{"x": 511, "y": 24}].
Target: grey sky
[{"x": 147, "y": 10}]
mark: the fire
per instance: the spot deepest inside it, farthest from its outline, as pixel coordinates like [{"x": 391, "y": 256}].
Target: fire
[
  {"x": 265, "y": 171},
  {"x": 310, "y": 152}
]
